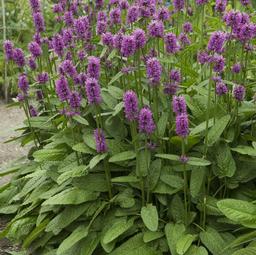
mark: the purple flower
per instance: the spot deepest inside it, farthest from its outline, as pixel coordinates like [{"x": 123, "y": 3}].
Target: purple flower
[
  {"x": 146, "y": 122},
  {"x": 128, "y": 46},
  {"x": 75, "y": 100},
  {"x": 175, "y": 75},
  {"x": 32, "y": 63},
  {"x": 217, "y": 41},
  {"x": 81, "y": 26},
  {"x": 220, "y": 5},
  {"x": 8, "y": 49},
  {"x": 178, "y": 5},
  {"x": 187, "y": 27},
  {"x": 171, "y": 43},
  {"x": 101, "y": 146},
  {"x": 154, "y": 70},
  {"x": 245, "y": 2},
  {"x": 57, "y": 8},
  {"x": 43, "y": 78},
  {"x": 156, "y": 28},
  {"x": 102, "y": 16},
  {"x": 35, "y": 49},
  {"x": 20, "y": 97},
  {"x": 58, "y": 45},
  {"x": 200, "y": 2},
  {"x": 18, "y": 57},
  {"x": 140, "y": 38},
  {"x": 246, "y": 32},
  {"x": 99, "y": 4},
  {"x": 182, "y": 125},
  {"x": 68, "y": 68},
  {"x": 101, "y": 27},
  {"x": 35, "y": 5},
  {"x": 39, "y": 21},
  {"x": 107, "y": 39},
  {"x": 124, "y": 4},
  {"x": 184, "y": 159},
  {"x": 115, "y": 16},
  {"x": 39, "y": 95},
  {"x": 184, "y": 40},
  {"x": 236, "y": 68},
  {"x": 203, "y": 57},
  {"x": 218, "y": 63},
  {"x": 68, "y": 18},
  {"x": 163, "y": 14},
  {"x": 132, "y": 14},
  {"x": 23, "y": 83},
  {"x": 81, "y": 55},
  {"x": 117, "y": 40},
  {"x": 221, "y": 88},
  {"x": 239, "y": 92},
  {"x": 32, "y": 111},
  {"x": 93, "y": 91},
  {"x": 179, "y": 105},
  {"x": 62, "y": 89},
  {"x": 93, "y": 68},
  {"x": 131, "y": 108},
  {"x": 67, "y": 36},
  {"x": 171, "y": 88}
]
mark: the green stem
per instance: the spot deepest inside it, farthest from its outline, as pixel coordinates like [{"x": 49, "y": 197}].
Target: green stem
[
  {"x": 108, "y": 177},
  {"x": 185, "y": 184}
]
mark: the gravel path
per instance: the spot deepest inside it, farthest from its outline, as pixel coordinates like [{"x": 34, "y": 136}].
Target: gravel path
[{"x": 10, "y": 119}]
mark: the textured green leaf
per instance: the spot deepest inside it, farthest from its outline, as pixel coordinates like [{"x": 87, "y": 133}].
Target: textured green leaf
[
  {"x": 71, "y": 196},
  {"x": 123, "y": 156},
  {"x": 245, "y": 150},
  {"x": 142, "y": 163},
  {"x": 184, "y": 243},
  {"x": 123, "y": 179},
  {"x": 117, "y": 228},
  {"x": 162, "y": 123},
  {"x": 197, "y": 180},
  {"x": 198, "y": 161},
  {"x": 201, "y": 127},
  {"x": 216, "y": 131},
  {"x": 82, "y": 147},
  {"x": 154, "y": 173},
  {"x": 80, "y": 120},
  {"x": 151, "y": 236},
  {"x": 149, "y": 216},
  {"x": 96, "y": 160},
  {"x": 89, "y": 244},
  {"x": 246, "y": 251},
  {"x": 169, "y": 156},
  {"x": 174, "y": 181},
  {"x": 49, "y": 155},
  {"x": 239, "y": 211},
  {"x": 78, "y": 234},
  {"x": 173, "y": 233},
  {"x": 195, "y": 250}
]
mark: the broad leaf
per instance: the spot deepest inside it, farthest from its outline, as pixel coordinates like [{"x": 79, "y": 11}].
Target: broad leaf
[
  {"x": 184, "y": 243},
  {"x": 123, "y": 156},
  {"x": 149, "y": 216}
]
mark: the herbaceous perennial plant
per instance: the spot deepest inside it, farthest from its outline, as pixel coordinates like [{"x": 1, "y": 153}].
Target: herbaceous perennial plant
[{"x": 142, "y": 118}]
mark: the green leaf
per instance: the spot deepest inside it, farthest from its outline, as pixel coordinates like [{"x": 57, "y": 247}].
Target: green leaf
[
  {"x": 239, "y": 211},
  {"x": 83, "y": 148},
  {"x": 115, "y": 78},
  {"x": 90, "y": 244},
  {"x": 72, "y": 196},
  {"x": 173, "y": 233},
  {"x": 216, "y": 131},
  {"x": 201, "y": 127},
  {"x": 78, "y": 171},
  {"x": 123, "y": 156},
  {"x": 135, "y": 246},
  {"x": 124, "y": 179},
  {"x": 246, "y": 251},
  {"x": 78, "y": 234},
  {"x": 154, "y": 173},
  {"x": 174, "y": 181},
  {"x": 96, "y": 160},
  {"x": 149, "y": 216},
  {"x": 169, "y": 157},
  {"x": 49, "y": 155},
  {"x": 184, "y": 243},
  {"x": 80, "y": 120},
  {"x": 198, "y": 161},
  {"x": 225, "y": 164},
  {"x": 150, "y": 236},
  {"x": 195, "y": 250},
  {"x": 162, "y": 123},
  {"x": 197, "y": 180},
  {"x": 117, "y": 228},
  {"x": 243, "y": 239},
  {"x": 142, "y": 163},
  {"x": 245, "y": 150}
]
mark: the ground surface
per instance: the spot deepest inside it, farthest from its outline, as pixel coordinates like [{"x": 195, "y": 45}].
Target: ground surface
[{"x": 10, "y": 119}]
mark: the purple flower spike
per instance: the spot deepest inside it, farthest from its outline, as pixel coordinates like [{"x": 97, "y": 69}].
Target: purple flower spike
[
  {"x": 175, "y": 75},
  {"x": 39, "y": 22},
  {"x": 245, "y": 2},
  {"x": 218, "y": 63},
  {"x": 68, "y": 68},
  {"x": 221, "y": 88},
  {"x": 118, "y": 38},
  {"x": 203, "y": 57},
  {"x": 101, "y": 146},
  {"x": 18, "y": 57},
  {"x": 58, "y": 45},
  {"x": 236, "y": 68},
  {"x": 178, "y": 5},
  {"x": 75, "y": 100},
  {"x": 115, "y": 16},
  {"x": 146, "y": 122},
  {"x": 217, "y": 41},
  {"x": 171, "y": 43},
  {"x": 35, "y": 5},
  {"x": 154, "y": 70},
  {"x": 62, "y": 89},
  {"x": 35, "y": 49},
  {"x": 140, "y": 38},
  {"x": 171, "y": 88},
  {"x": 163, "y": 14},
  {"x": 221, "y": 5},
  {"x": 200, "y": 2},
  {"x": 132, "y": 14},
  {"x": 156, "y": 28},
  {"x": 23, "y": 83},
  {"x": 128, "y": 46},
  {"x": 8, "y": 49},
  {"x": 131, "y": 108},
  {"x": 93, "y": 68},
  {"x": 93, "y": 91},
  {"x": 179, "y": 105},
  {"x": 43, "y": 78},
  {"x": 32, "y": 111},
  {"x": 107, "y": 39},
  {"x": 182, "y": 125},
  {"x": 239, "y": 92},
  {"x": 32, "y": 63}
]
